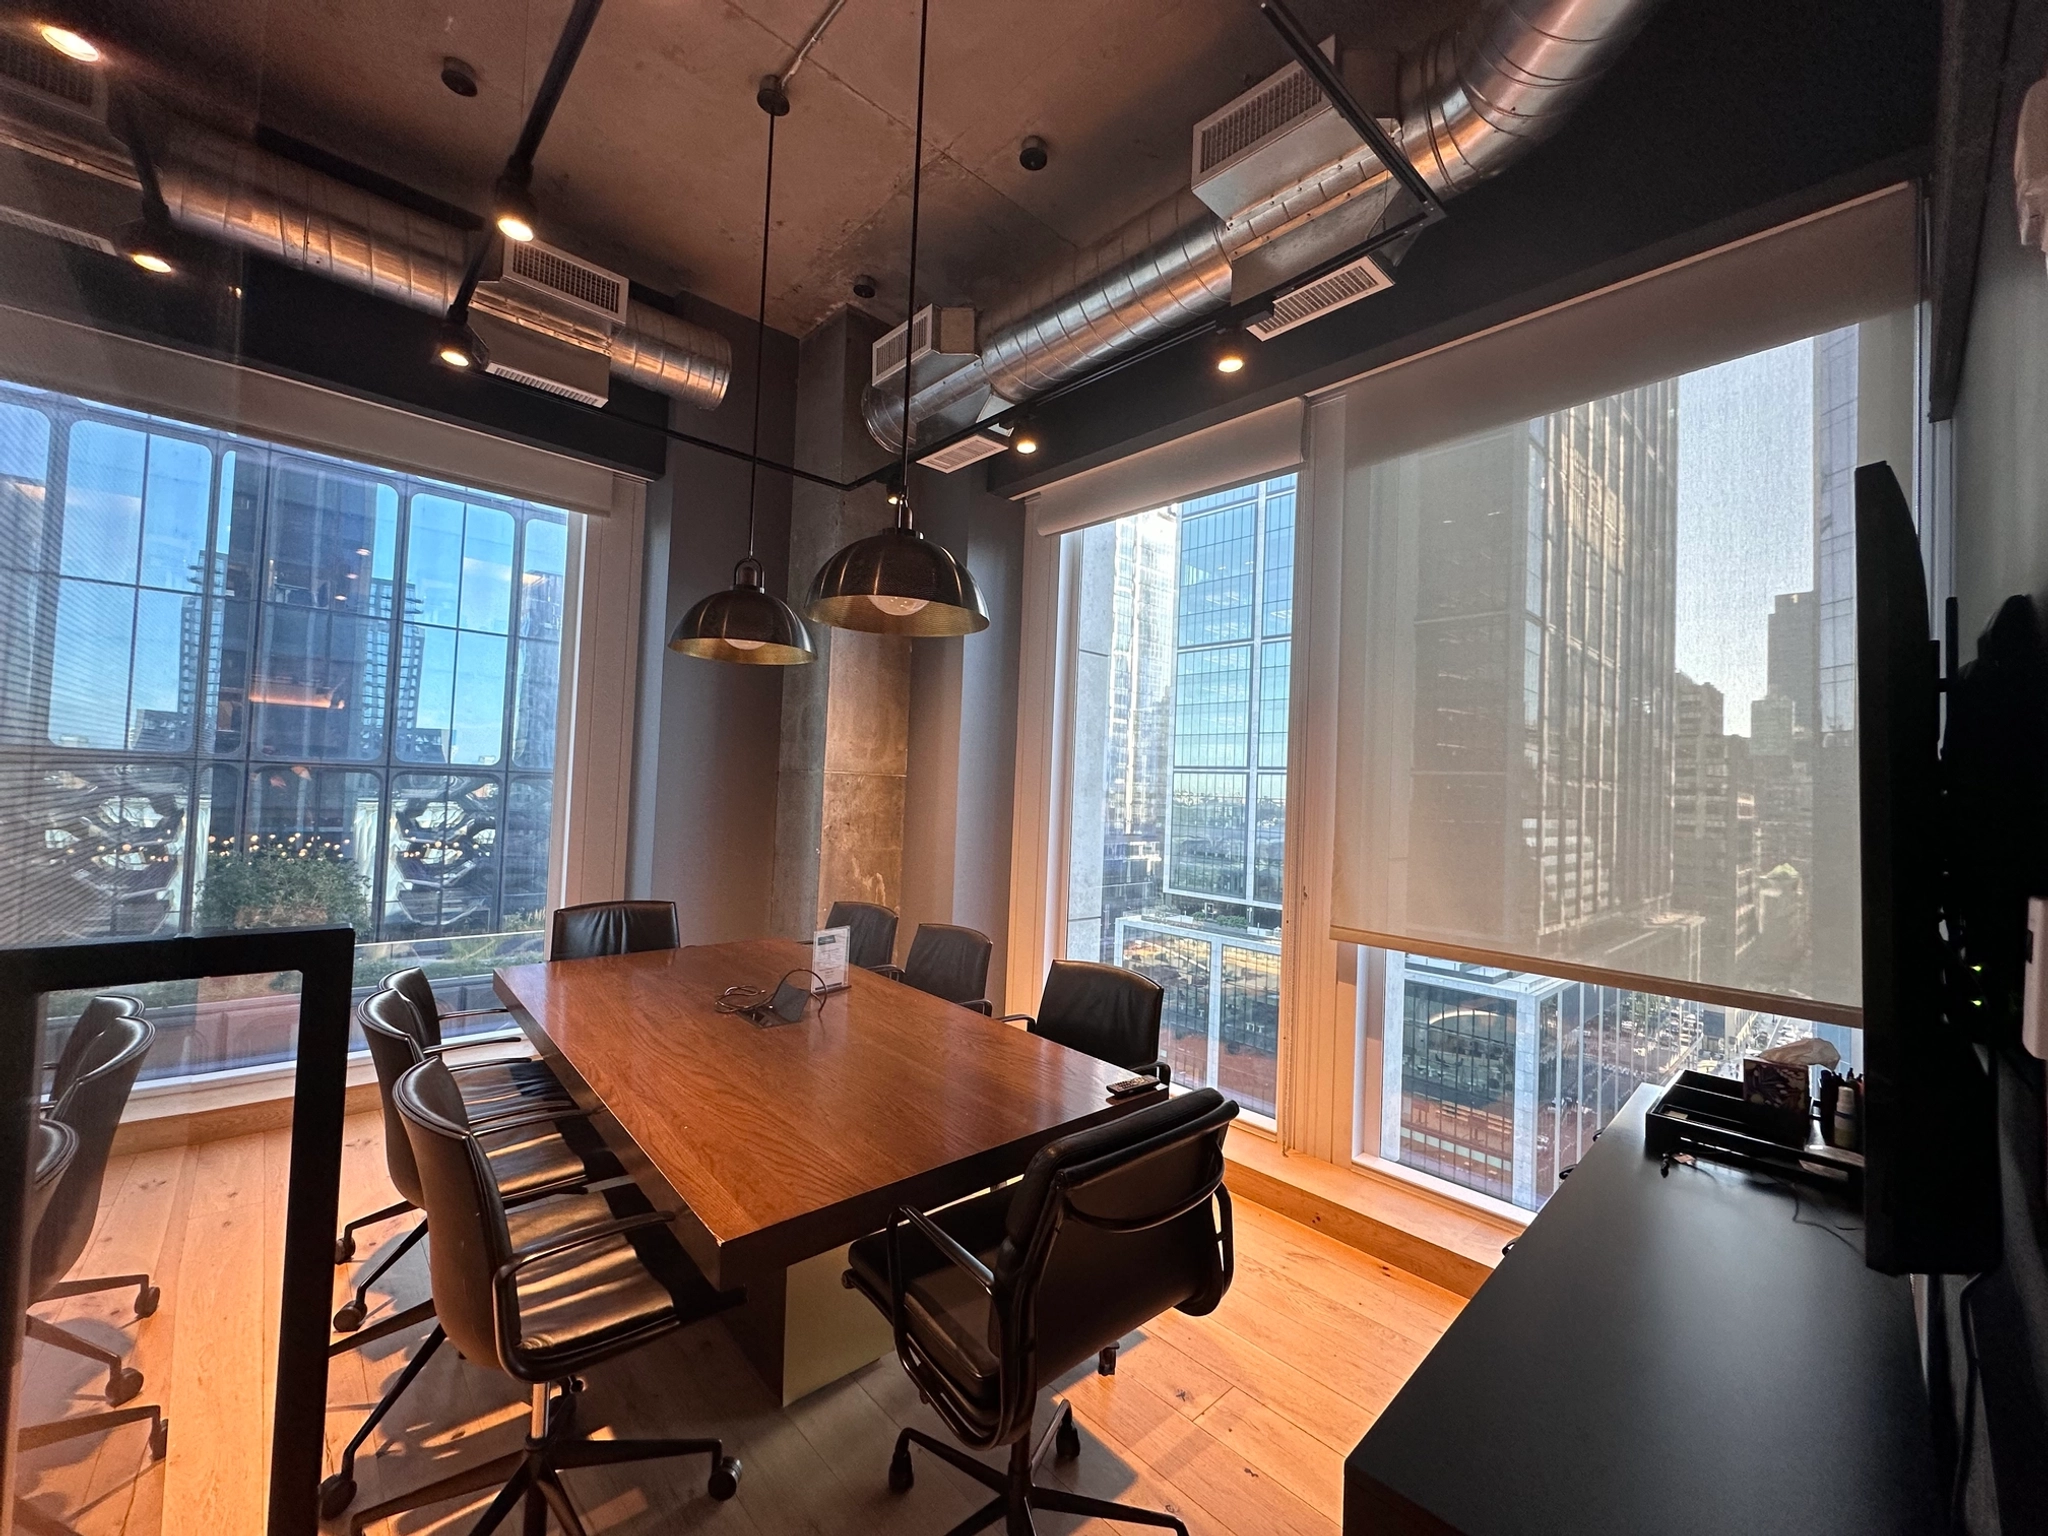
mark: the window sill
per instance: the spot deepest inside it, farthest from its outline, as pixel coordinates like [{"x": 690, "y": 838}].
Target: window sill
[
  {"x": 1444, "y": 1241},
  {"x": 1442, "y": 1189}
]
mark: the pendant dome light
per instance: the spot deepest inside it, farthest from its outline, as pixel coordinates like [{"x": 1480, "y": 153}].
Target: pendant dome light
[
  {"x": 747, "y": 623},
  {"x": 898, "y": 582}
]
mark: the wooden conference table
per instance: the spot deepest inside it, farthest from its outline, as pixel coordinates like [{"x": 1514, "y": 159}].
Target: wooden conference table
[{"x": 779, "y": 1146}]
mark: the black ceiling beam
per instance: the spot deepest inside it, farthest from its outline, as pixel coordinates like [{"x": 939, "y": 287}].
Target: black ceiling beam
[
  {"x": 519, "y": 164},
  {"x": 568, "y": 48},
  {"x": 1363, "y": 123}
]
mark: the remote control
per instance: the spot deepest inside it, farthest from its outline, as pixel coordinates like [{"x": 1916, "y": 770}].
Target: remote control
[{"x": 1131, "y": 1086}]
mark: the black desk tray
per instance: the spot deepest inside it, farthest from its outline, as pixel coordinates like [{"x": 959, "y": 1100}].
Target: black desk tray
[{"x": 1707, "y": 1117}]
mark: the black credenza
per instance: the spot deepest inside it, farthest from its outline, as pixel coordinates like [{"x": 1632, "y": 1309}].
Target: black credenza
[{"x": 1691, "y": 1353}]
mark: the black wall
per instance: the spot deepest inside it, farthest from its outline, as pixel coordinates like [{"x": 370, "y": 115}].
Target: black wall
[
  {"x": 1724, "y": 117},
  {"x": 246, "y": 310}
]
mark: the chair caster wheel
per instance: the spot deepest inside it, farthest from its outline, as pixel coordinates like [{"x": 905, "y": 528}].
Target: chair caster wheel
[
  {"x": 1066, "y": 1445},
  {"x": 725, "y": 1478},
  {"x": 344, "y": 1248},
  {"x": 349, "y": 1318},
  {"x": 146, "y": 1301},
  {"x": 160, "y": 1440},
  {"x": 336, "y": 1494},
  {"x": 901, "y": 1477},
  {"x": 123, "y": 1384}
]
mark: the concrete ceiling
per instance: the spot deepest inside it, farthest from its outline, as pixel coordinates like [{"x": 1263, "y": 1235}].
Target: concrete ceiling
[{"x": 654, "y": 161}]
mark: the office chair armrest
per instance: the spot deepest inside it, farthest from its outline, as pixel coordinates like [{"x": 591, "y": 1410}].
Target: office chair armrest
[
  {"x": 490, "y": 1125},
  {"x": 1164, "y": 1069},
  {"x": 893, "y": 972},
  {"x": 579, "y": 1238},
  {"x": 568, "y": 1184},
  {"x": 1013, "y": 1018},
  {"x": 472, "y": 1013},
  {"x": 494, "y": 1037},
  {"x": 982, "y": 1006},
  {"x": 949, "y": 1247}
]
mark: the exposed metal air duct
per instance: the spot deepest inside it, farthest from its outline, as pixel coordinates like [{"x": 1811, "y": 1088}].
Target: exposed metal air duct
[
  {"x": 240, "y": 195},
  {"x": 1470, "y": 100}
]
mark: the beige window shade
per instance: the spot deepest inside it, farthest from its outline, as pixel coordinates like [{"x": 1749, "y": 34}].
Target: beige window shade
[
  {"x": 140, "y": 376},
  {"x": 1597, "y": 698},
  {"x": 1249, "y": 447}
]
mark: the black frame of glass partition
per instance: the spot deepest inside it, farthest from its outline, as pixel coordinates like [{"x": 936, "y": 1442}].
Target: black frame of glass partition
[{"x": 324, "y": 959}]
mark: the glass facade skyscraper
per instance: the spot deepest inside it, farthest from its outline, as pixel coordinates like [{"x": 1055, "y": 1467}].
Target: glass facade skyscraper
[
  {"x": 1178, "y": 783},
  {"x": 1564, "y": 763}
]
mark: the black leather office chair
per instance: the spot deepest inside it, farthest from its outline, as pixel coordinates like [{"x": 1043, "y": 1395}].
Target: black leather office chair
[
  {"x": 872, "y": 944},
  {"x": 412, "y": 982},
  {"x": 102, "y": 1076},
  {"x": 607, "y": 1277},
  {"x": 84, "y": 1030},
  {"x": 992, "y": 1298},
  {"x": 1104, "y": 1010},
  {"x": 613, "y": 928},
  {"x": 496, "y": 1087},
  {"x": 531, "y": 1152},
  {"x": 529, "y": 1076},
  {"x": 52, "y": 1150},
  {"x": 947, "y": 962}
]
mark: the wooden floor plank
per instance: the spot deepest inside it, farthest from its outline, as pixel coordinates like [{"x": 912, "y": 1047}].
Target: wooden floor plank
[
  {"x": 1187, "y": 1455},
  {"x": 1415, "y": 1307},
  {"x": 1325, "y": 1413},
  {"x": 1238, "y": 1422},
  {"x": 1281, "y": 1449}
]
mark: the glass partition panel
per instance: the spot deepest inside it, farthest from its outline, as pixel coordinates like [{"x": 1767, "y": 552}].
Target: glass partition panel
[{"x": 245, "y": 686}]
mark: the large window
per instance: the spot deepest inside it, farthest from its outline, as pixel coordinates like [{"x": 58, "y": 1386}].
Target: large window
[
  {"x": 1614, "y": 654},
  {"x": 243, "y": 685},
  {"x": 1178, "y": 776}
]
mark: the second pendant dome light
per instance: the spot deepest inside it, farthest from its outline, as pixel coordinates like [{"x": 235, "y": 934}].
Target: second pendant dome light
[{"x": 898, "y": 582}]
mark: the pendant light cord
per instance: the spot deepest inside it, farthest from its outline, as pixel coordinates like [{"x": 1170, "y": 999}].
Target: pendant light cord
[
  {"x": 761, "y": 333},
  {"x": 924, "y": 14}
]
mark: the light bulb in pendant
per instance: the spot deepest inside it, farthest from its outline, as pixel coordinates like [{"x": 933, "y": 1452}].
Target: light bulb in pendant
[
  {"x": 744, "y": 645},
  {"x": 899, "y": 607}
]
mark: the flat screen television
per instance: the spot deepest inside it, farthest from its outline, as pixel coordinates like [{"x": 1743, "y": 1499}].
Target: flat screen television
[{"x": 1931, "y": 1194}]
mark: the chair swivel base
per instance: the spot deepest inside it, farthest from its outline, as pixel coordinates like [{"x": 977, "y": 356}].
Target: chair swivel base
[
  {"x": 1016, "y": 1494},
  {"x": 533, "y": 1475},
  {"x": 33, "y": 1437}
]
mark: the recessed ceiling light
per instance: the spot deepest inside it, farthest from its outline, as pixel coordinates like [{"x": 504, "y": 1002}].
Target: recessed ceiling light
[
  {"x": 146, "y": 243},
  {"x": 1228, "y": 352},
  {"x": 72, "y": 45},
  {"x": 459, "y": 347},
  {"x": 513, "y": 208}
]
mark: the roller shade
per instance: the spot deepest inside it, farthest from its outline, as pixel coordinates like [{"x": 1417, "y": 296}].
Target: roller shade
[
  {"x": 1597, "y": 699},
  {"x": 1250, "y": 447},
  {"x": 138, "y": 375}
]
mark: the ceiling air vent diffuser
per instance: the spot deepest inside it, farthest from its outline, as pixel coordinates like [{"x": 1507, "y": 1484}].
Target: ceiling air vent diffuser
[
  {"x": 49, "y": 76},
  {"x": 563, "y": 281},
  {"x": 933, "y": 332},
  {"x": 1347, "y": 285},
  {"x": 1280, "y": 131}
]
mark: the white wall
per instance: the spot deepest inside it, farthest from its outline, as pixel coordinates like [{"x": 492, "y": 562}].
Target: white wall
[
  {"x": 963, "y": 729},
  {"x": 708, "y": 732}
]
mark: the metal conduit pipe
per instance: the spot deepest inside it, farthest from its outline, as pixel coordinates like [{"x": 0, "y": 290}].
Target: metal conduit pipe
[
  {"x": 244, "y": 196},
  {"x": 1472, "y": 98}
]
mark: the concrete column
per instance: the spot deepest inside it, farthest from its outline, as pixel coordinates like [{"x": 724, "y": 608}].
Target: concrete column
[{"x": 846, "y": 719}]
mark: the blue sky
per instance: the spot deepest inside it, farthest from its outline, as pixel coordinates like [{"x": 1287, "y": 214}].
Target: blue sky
[{"x": 1745, "y": 515}]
